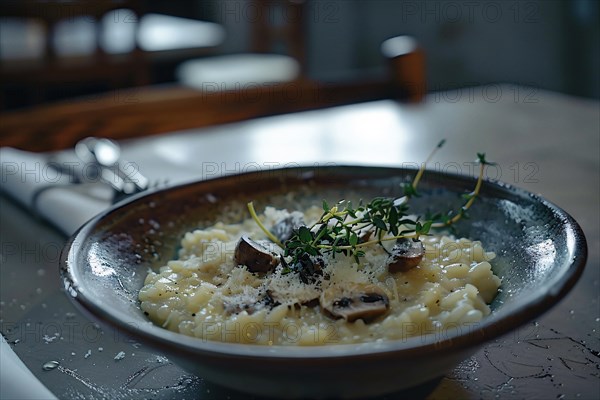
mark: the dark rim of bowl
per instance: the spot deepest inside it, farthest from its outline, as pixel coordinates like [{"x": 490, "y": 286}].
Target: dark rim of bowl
[{"x": 501, "y": 322}]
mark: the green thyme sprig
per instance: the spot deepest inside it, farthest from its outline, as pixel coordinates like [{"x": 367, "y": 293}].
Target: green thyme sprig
[
  {"x": 452, "y": 217},
  {"x": 410, "y": 189},
  {"x": 343, "y": 228}
]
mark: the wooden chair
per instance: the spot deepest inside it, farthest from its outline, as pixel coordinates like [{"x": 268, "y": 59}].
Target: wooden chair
[
  {"x": 35, "y": 79},
  {"x": 406, "y": 66},
  {"x": 277, "y": 51},
  {"x": 278, "y": 56},
  {"x": 285, "y": 33}
]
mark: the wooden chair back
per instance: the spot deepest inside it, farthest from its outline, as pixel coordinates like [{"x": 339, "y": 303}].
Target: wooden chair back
[
  {"x": 279, "y": 26},
  {"x": 35, "y": 78}
]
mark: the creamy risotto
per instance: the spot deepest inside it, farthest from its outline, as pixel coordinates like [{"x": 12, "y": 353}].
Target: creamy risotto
[{"x": 209, "y": 293}]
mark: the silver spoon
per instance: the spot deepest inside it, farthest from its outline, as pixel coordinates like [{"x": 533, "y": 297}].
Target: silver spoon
[{"x": 104, "y": 156}]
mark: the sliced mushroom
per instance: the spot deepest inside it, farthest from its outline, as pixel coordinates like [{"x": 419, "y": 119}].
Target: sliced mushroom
[
  {"x": 254, "y": 256},
  {"x": 356, "y": 301},
  {"x": 406, "y": 254},
  {"x": 284, "y": 229}
]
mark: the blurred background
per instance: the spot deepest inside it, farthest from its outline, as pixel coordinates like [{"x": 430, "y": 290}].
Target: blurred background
[{"x": 55, "y": 50}]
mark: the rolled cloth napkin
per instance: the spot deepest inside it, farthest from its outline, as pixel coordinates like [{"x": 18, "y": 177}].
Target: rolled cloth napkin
[{"x": 46, "y": 188}]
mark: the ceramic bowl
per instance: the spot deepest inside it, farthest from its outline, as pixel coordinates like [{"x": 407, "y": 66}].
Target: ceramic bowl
[{"x": 541, "y": 252}]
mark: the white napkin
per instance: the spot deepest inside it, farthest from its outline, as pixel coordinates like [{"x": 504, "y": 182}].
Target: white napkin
[{"x": 29, "y": 179}]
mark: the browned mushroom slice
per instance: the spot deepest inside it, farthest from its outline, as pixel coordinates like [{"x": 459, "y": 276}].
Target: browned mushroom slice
[
  {"x": 254, "y": 256},
  {"x": 355, "y": 301},
  {"x": 406, "y": 254},
  {"x": 284, "y": 229}
]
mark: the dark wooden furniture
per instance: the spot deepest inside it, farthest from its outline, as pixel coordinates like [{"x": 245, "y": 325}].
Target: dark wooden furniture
[
  {"x": 280, "y": 27},
  {"x": 36, "y": 78},
  {"x": 44, "y": 67},
  {"x": 276, "y": 51}
]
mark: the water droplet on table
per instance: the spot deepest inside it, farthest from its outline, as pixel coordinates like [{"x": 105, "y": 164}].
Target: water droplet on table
[{"x": 50, "y": 365}]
